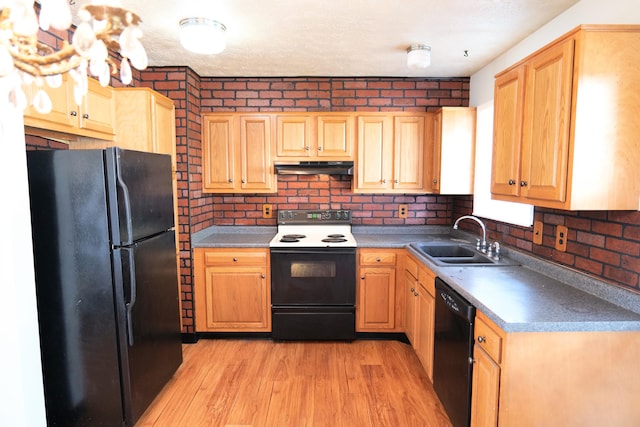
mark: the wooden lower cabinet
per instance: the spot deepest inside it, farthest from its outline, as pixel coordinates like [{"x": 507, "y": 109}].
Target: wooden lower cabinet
[
  {"x": 376, "y": 299},
  {"x": 232, "y": 290},
  {"x": 419, "y": 311},
  {"x": 573, "y": 378}
]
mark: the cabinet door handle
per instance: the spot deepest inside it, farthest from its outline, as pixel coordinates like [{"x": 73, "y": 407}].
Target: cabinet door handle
[
  {"x": 523, "y": 183},
  {"x": 435, "y": 181},
  {"x": 74, "y": 113},
  {"x": 512, "y": 182},
  {"x": 85, "y": 116},
  {"x": 244, "y": 181},
  {"x": 235, "y": 259},
  {"x": 378, "y": 260},
  {"x": 413, "y": 289},
  {"x": 263, "y": 276},
  {"x": 361, "y": 277},
  {"x": 481, "y": 339},
  {"x": 230, "y": 180},
  {"x": 384, "y": 181},
  {"x": 396, "y": 181},
  {"x": 307, "y": 148},
  {"x": 319, "y": 148}
]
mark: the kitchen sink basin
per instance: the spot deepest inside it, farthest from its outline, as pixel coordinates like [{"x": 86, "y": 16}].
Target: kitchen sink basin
[{"x": 456, "y": 254}]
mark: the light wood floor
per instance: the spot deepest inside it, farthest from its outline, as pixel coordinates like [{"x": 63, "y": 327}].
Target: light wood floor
[{"x": 263, "y": 383}]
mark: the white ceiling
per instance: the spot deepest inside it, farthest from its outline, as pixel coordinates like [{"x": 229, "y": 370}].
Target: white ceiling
[{"x": 342, "y": 37}]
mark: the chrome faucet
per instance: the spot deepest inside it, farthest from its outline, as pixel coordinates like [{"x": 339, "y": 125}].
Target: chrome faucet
[{"x": 483, "y": 244}]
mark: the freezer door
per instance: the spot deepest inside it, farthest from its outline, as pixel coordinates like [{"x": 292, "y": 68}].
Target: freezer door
[
  {"x": 141, "y": 194},
  {"x": 154, "y": 348}
]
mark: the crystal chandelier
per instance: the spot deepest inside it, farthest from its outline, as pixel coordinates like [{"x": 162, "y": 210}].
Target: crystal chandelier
[{"x": 25, "y": 62}]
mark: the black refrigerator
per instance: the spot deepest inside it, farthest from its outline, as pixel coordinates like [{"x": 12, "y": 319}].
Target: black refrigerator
[{"x": 106, "y": 282}]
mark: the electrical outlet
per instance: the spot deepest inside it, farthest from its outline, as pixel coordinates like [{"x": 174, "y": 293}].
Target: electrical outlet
[
  {"x": 403, "y": 211},
  {"x": 266, "y": 211},
  {"x": 538, "y": 228},
  {"x": 561, "y": 238}
]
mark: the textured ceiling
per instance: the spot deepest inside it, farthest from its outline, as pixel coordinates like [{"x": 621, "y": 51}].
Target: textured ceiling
[{"x": 343, "y": 37}]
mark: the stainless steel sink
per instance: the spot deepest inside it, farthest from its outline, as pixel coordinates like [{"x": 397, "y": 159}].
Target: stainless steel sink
[{"x": 456, "y": 254}]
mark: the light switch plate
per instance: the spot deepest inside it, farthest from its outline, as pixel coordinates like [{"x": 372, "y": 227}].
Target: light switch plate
[
  {"x": 561, "y": 238},
  {"x": 538, "y": 229}
]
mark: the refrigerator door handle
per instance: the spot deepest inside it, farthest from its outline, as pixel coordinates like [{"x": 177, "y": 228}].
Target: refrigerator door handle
[
  {"x": 132, "y": 299},
  {"x": 127, "y": 206}
]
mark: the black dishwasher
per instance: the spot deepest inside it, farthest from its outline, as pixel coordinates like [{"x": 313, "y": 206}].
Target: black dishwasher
[{"x": 453, "y": 353}]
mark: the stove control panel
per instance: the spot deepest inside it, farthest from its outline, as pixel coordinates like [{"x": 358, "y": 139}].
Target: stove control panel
[{"x": 300, "y": 217}]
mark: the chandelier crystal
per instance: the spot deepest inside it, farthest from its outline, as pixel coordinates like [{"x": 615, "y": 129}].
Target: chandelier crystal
[{"x": 24, "y": 61}]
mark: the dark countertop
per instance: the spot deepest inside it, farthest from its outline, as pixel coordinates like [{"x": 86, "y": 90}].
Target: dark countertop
[{"x": 532, "y": 295}]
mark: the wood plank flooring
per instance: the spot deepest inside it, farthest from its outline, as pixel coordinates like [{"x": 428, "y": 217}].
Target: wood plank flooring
[{"x": 261, "y": 383}]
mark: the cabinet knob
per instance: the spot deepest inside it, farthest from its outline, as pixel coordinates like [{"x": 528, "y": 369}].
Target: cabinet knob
[
  {"x": 244, "y": 181},
  {"x": 361, "y": 277},
  {"x": 230, "y": 180},
  {"x": 263, "y": 276},
  {"x": 384, "y": 181},
  {"x": 415, "y": 294},
  {"x": 435, "y": 181},
  {"x": 319, "y": 148},
  {"x": 481, "y": 339},
  {"x": 396, "y": 181},
  {"x": 74, "y": 113},
  {"x": 307, "y": 148},
  {"x": 523, "y": 183},
  {"x": 85, "y": 116},
  {"x": 413, "y": 289},
  {"x": 378, "y": 260},
  {"x": 235, "y": 259},
  {"x": 512, "y": 182}
]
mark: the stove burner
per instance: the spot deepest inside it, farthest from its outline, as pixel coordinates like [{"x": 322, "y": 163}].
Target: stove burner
[
  {"x": 336, "y": 236},
  {"x": 294, "y": 236},
  {"x": 334, "y": 240}
]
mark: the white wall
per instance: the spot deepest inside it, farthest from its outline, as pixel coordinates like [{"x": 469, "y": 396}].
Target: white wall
[
  {"x": 583, "y": 12},
  {"x": 21, "y": 390}
]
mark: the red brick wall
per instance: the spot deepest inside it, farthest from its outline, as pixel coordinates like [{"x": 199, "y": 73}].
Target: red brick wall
[
  {"x": 604, "y": 244},
  {"x": 37, "y": 143}
]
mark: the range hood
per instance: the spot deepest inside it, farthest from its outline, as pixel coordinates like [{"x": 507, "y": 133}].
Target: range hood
[{"x": 315, "y": 168}]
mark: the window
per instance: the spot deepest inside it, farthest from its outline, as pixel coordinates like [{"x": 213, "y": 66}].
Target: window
[{"x": 483, "y": 205}]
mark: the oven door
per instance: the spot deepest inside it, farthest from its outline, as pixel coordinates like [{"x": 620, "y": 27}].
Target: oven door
[{"x": 313, "y": 277}]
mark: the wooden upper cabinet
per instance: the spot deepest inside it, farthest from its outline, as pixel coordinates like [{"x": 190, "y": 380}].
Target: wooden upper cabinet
[
  {"x": 314, "y": 136},
  {"x": 507, "y": 128},
  {"x": 293, "y": 135},
  {"x": 375, "y": 151},
  {"x": 94, "y": 118},
  {"x": 452, "y": 162},
  {"x": 219, "y": 133},
  {"x": 256, "y": 171},
  {"x": 335, "y": 136},
  {"x": 391, "y": 153},
  {"x": 409, "y": 151},
  {"x": 236, "y": 153},
  {"x": 570, "y": 112}
]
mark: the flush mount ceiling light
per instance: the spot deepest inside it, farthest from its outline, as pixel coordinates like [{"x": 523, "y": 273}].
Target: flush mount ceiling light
[
  {"x": 202, "y": 35},
  {"x": 418, "y": 56}
]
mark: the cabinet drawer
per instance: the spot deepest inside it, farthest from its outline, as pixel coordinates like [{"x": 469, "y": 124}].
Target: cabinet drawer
[
  {"x": 377, "y": 258},
  {"x": 488, "y": 339},
  {"x": 426, "y": 278},
  {"x": 411, "y": 266},
  {"x": 235, "y": 258}
]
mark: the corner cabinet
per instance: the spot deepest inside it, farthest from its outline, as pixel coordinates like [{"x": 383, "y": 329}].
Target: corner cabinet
[
  {"x": 453, "y": 131},
  {"x": 236, "y": 151},
  {"x": 419, "y": 285},
  {"x": 391, "y": 153},
  {"x": 376, "y": 299},
  {"x": 232, "y": 290},
  {"x": 565, "y": 123},
  {"x": 94, "y": 118}
]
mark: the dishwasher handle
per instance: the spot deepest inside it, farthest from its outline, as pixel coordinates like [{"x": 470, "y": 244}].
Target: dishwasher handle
[{"x": 454, "y": 301}]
